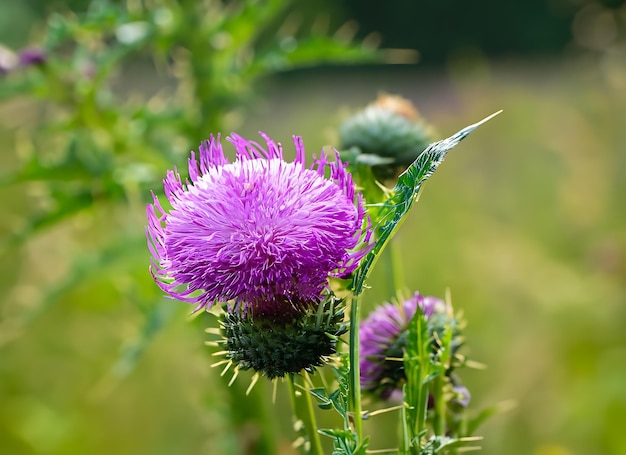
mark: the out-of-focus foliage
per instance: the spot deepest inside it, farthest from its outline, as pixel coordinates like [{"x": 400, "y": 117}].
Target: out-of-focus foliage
[
  {"x": 110, "y": 97},
  {"x": 526, "y": 226},
  {"x": 448, "y": 30},
  {"x": 97, "y": 138}
]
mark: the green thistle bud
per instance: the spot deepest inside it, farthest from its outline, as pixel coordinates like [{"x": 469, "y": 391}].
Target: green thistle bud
[
  {"x": 387, "y": 136},
  {"x": 275, "y": 343}
]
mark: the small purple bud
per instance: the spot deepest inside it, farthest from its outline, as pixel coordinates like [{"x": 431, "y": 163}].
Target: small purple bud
[{"x": 32, "y": 56}]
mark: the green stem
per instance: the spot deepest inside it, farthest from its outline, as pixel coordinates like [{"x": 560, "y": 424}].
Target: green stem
[
  {"x": 304, "y": 411},
  {"x": 405, "y": 441},
  {"x": 424, "y": 369},
  {"x": 439, "y": 419},
  {"x": 355, "y": 368},
  {"x": 314, "y": 436}
]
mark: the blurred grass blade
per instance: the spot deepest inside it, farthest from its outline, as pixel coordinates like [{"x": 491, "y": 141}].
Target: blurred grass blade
[
  {"x": 159, "y": 314},
  {"x": 89, "y": 266},
  {"x": 481, "y": 417},
  {"x": 394, "y": 210}
]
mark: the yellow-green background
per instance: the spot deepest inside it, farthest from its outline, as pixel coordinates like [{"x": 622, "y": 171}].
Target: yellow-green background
[{"x": 524, "y": 223}]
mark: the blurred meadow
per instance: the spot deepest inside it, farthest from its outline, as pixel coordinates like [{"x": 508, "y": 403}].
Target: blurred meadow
[{"x": 525, "y": 224}]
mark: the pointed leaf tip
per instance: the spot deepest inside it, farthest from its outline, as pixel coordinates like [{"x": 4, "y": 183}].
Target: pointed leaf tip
[
  {"x": 486, "y": 119},
  {"x": 468, "y": 129}
]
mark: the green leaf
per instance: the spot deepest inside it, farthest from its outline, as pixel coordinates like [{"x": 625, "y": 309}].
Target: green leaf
[
  {"x": 314, "y": 50},
  {"x": 394, "y": 210},
  {"x": 345, "y": 439},
  {"x": 324, "y": 402},
  {"x": 339, "y": 397}
]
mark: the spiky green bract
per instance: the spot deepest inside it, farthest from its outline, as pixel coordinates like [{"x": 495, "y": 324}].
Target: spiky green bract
[
  {"x": 393, "y": 211},
  {"x": 279, "y": 344},
  {"x": 384, "y": 136},
  {"x": 387, "y": 136}
]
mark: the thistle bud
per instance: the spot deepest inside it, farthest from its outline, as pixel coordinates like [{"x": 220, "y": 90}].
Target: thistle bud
[
  {"x": 387, "y": 135},
  {"x": 283, "y": 338},
  {"x": 383, "y": 339}
]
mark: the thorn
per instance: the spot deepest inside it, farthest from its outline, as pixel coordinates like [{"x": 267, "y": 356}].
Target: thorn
[
  {"x": 221, "y": 362},
  {"x": 275, "y": 382},
  {"x": 382, "y": 411},
  {"x": 219, "y": 353},
  {"x": 232, "y": 380},
  {"x": 475, "y": 365},
  {"x": 486, "y": 119},
  {"x": 394, "y": 359},
  {"x": 468, "y": 129},
  {"x": 253, "y": 382},
  {"x": 228, "y": 365}
]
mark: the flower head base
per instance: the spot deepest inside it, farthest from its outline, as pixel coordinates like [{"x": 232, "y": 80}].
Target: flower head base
[
  {"x": 279, "y": 343},
  {"x": 258, "y": 229},
  {"x": 383, "y": 339}
]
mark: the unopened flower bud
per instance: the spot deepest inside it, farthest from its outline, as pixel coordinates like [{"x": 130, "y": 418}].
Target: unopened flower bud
[
  {"x": 283, "y": 337},
  {"x": 387, "y": 135}
]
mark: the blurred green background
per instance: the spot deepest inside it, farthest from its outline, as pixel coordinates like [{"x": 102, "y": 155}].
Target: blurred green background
[{"x": 525, "y": 223}]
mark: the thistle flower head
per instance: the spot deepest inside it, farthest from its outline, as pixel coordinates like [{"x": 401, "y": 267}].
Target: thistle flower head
[
  {"x": 258, "y": 229},
  {"x": 383, "y": 338}
]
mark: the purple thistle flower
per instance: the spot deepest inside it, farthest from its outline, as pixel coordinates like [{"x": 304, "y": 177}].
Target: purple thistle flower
[
  {"x": 32, "y": 56},
  {"x": 259, "y": 229},
  {"x": 382, "y": 337}
]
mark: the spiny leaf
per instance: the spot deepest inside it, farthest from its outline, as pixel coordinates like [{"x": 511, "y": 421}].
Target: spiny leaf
[{"x": 394, "y": 210}]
